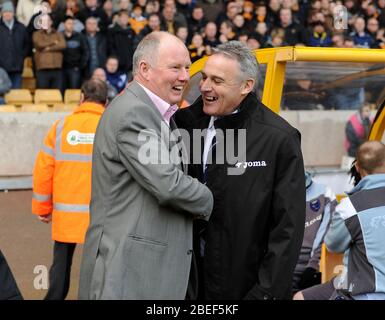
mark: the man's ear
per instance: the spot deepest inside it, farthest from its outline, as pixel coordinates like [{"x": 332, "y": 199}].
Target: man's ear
[
  {"x": 361, "y": 171},
  {"x": 144, "y": 67},
  {"x": 82, "y": 98},
  {"x": 248, "y": 86}
]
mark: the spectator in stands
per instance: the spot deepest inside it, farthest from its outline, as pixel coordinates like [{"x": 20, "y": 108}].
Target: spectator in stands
[
  {"x": 253, "y": 43},
  {"x": 197, "y": 22},
  {"x": 62, "y": 189},
  {"x": 137, "y": 20},
  {"x": 320, "y": 205},
  {"x": 232, "y": 9},
  {"x": 116, "y": 78},
  {"x": 75, "y": 56},
  {"x": 292, "y": 30},
  {"x": 361, "y": 38},
  {"x": 25, "y": 10},
  {"x": 299, "y": 95},
  {"x": 261, "y": 34},
  {"x": 152, "y": 6},
  {"x": 182, "y": 34},
  {"x": 170, "y": 21},
  {"x": 239, "y": 25},
  {"x": 5, "y": 85},
  {"x": 357, "y": 129},
  {"x": 277, "y": 38},
  {"x": 48, "y": 55},
  {"x": 183, "y": 7},
  {"x": 338, "y": 40},
  {"x": 318, "y": 35},
  {"x": 372, "y": 27},
  {"x": 108, "y": 10},
  {"x": 226, "y": 31},
  {"x": 121, "y": 41},
  {"x": 380, "y": 39},
  {"x": 97, "y": 46},
  {"x": 72, "y": 8},
  {"x": 272, "y": 18},
  {"x": 153, "y": 25},
  {"x": 211, "y": 8},
  {"x": 356, "y": 230},
  {"x": 381, "y": 16},
  {"x": 210, "y": 35},
  {"x": 93, "y": 9},
  {"x": 248, "y": 11},
  {"x": 100, "y": 74},
  {"x": 15, "y": 44},
  {"x": 197, "y": 48}
]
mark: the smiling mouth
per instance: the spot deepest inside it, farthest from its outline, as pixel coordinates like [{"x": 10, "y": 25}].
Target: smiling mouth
[
  {"x": 178, "y": 88},
  {"x": 210, "y": 99}
]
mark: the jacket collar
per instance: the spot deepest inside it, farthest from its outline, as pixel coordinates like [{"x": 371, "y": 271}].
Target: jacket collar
[
  {"x": 371, "y": 181},
  {"x": 232, "y": 121},
  {"x": 90, "y": 107}
]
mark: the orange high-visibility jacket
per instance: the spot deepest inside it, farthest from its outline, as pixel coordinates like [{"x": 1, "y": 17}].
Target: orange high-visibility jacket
[{"x": 62, "y": 173}]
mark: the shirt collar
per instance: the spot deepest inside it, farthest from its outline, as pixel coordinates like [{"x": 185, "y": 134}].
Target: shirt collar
[{"x": 165, "y": 109}]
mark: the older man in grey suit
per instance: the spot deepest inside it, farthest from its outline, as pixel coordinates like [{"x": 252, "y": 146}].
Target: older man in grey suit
[{"x": 139, "y": 242}]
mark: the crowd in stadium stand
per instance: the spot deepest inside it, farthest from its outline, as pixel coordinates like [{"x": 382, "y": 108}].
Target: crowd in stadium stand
[{"x": 69, "y": 39}]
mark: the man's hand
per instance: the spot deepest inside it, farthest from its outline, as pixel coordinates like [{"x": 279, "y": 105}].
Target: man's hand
[
  {"x": 310, "y": 277},
  {"x": 45, "y": 218}
]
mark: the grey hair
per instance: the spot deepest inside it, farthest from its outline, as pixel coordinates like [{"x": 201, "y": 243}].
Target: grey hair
[
  {"x": 146, "y": 49},
  {"x": 240, "y": 52}
]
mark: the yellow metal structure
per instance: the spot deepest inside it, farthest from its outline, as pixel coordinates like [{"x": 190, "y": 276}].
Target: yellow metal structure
[{"x": 277, "y": 58}]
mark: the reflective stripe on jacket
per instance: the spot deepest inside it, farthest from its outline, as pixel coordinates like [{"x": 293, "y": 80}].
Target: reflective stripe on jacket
[{"x": 62, "y": 173}]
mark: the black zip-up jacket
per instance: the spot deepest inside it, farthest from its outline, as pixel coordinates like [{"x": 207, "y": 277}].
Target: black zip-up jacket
[
  {"x": 76, "y": 53},
  {"x": 121, "y": 43},
  {"x": 255, "y": 232},
  {"x": 15, "y": 46}
]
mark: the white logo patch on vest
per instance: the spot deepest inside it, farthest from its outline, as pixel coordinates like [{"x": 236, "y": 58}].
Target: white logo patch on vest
[{"x": 75, "y": 137}]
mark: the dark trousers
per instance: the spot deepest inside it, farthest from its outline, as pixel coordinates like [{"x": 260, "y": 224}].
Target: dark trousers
[
  {"x": 72, "y": 78},
  {"x": 15, "y": 78},
  {"x": 60, "y": 272},
  {"x": 8, "y": 286},
  {"x": 49, "y": 79}
]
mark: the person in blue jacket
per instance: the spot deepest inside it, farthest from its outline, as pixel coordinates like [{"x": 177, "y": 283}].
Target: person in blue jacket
[{"x": 357, "y": 230}]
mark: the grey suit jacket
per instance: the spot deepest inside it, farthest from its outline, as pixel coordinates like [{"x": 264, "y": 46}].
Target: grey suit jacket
[{"x": 139, "y": 242}]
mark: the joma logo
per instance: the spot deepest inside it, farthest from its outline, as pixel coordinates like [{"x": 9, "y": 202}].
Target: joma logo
[{"x": 251, "y": 164}]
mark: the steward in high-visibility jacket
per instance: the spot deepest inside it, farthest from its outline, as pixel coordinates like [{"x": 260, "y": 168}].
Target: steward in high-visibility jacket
[{"x": 62, "y": 175}]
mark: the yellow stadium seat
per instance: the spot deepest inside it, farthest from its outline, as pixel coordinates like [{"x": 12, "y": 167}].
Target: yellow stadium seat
[
  {"x": 18, "y": 97},
  {"x": 8, "y": 108},
  {"x": 33, "y": 107},
  {"x": 48, "y": 96},
  {"x": 72, "y": 96},
  {"x": 331, "y": 264},
  {"x": 64, "y": 107}
]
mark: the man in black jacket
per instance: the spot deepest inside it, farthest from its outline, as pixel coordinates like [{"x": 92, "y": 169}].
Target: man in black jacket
[
  {"x": 14, "y": 42},
  {"x": 250, "y": 246},
  {"x": 120, "y": 41},
  {"x": 75, "y": 56}
]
